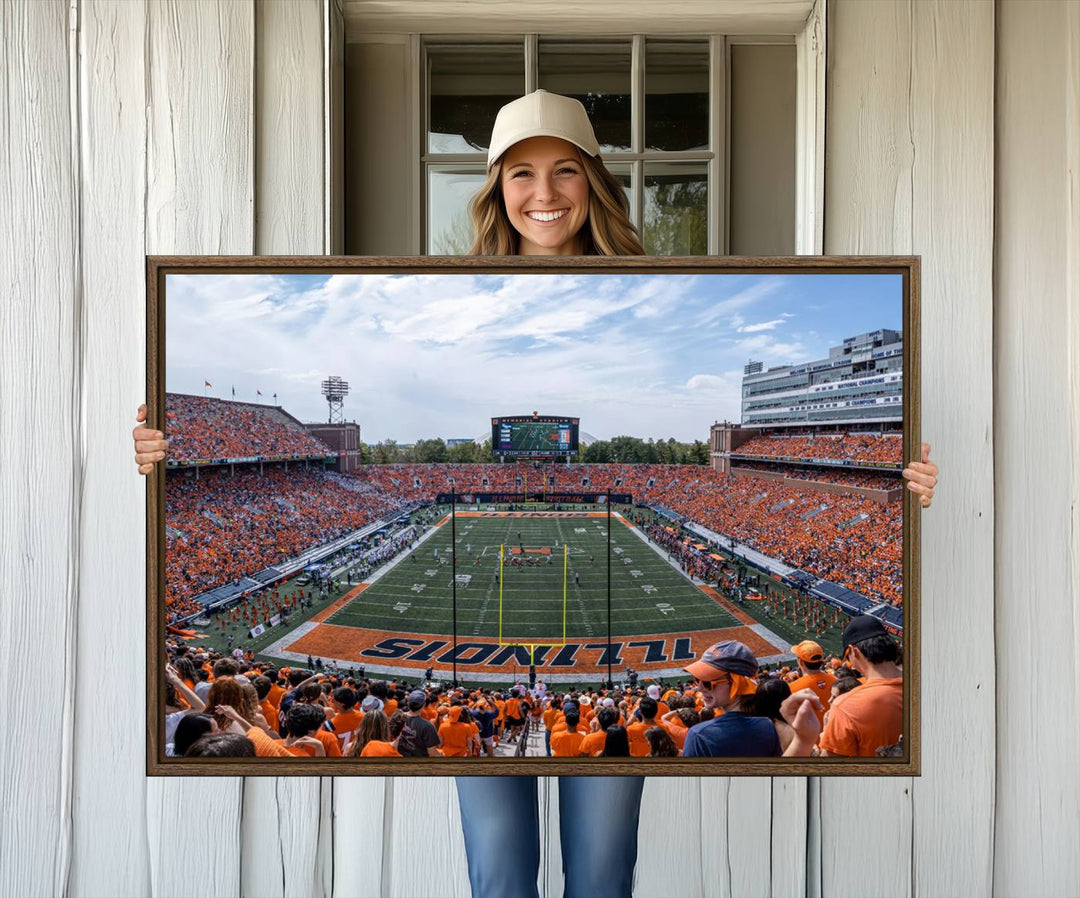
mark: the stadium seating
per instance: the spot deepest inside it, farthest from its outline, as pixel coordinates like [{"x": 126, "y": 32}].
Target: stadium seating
[
  {"x": 201, "y": 428},
  {"x": 854, "y": 447}
]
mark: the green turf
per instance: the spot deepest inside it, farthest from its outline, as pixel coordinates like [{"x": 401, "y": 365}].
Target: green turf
[
  {"x": 787, "y": 629},
  {"x": 648, "y": 595}
]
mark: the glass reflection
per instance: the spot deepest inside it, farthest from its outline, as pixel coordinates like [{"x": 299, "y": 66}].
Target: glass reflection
[
  {"x": 597, "y": 74},
  {"x": 676, "y": 209},
  {"x": 467, "y": 86},
  {"x": 676, "y": 95}
]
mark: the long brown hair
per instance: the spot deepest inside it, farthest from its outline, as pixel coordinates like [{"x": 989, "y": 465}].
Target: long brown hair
[
  {"x": 607, "y": 231},
  {"x": 373, "y": 727},
  {"x": 226, "y": 691}
]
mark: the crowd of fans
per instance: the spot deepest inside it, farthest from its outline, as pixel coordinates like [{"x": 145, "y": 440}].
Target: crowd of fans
[
  {"x": 849, "y": 540},
  {"x": 866, "y": 479},
  {"x": 199, "y": 427},
  {"x": 854, "y": 447},
  {"x": 225, "y": 525},
  {"x": 220, "y": 705}
]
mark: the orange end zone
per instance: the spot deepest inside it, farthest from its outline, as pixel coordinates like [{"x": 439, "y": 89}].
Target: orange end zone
[
  {"x": 346, "y": 644},
  {"x": 529, "y": 550}
]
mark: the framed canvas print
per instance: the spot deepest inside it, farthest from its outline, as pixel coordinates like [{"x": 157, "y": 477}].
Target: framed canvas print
[{"x": 445, "y": 516}]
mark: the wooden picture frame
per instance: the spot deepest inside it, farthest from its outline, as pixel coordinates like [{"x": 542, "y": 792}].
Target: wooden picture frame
[{"x": 906, "y": 268}]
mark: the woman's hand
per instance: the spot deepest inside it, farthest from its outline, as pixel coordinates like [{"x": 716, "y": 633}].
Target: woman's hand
[
  {"x": 922, "y": 477},
  {"x": 232, "y": 714},
  {"x": 798, "y": 710},
  {"x": 150, "y": 445}
]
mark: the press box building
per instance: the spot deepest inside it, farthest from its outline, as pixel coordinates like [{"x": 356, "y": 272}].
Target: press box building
[
  {"x": 861, "y": 382},
  {"x": 859, "y": 385}
]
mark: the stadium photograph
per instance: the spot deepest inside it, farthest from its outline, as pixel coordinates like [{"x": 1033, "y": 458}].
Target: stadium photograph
[{"x": 476, "y": 515}]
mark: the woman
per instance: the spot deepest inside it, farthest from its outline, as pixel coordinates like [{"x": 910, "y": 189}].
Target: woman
[
  {"x": 547, "y": 194},
  {"x": 766, "y": 702},
  {"x": 617, "y": 745},
  {"x": 373, "y": 727},
  {"x": 661, "y": 745},
  {"x": 174, "y": 711},
  {"x": 229, "y": 692}
]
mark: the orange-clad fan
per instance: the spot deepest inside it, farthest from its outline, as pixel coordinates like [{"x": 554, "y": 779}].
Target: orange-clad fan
[
  {"x": 377, "y": 749},
  {"x": 644, "y": 718},
  {"x": 567, "y": 743},
  {"x": 871, "y": 716},
  {"x": 346, "y": 721},
  {"x": 458, "y": 736},
  {"x": 811, "y": 659}
]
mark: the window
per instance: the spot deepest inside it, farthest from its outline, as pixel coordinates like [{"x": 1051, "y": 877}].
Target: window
[{"x": 660, "y": 108}]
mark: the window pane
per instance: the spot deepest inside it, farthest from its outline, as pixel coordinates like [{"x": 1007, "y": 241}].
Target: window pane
[
  {"x": 449, "y": 191},
  {"x": 624, "y": 176},
  {"x": 597, "y": 74},
  {"x": 467, "y": 84},
  {"x": 676, "y": 95},
  {"x": 676, "y": 209}
]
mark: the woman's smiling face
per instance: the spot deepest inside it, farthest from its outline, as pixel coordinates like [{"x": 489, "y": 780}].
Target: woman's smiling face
[{"x": 546, "y": 195}]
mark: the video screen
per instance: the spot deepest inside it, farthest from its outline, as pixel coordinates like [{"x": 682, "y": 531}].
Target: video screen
[{"x": 542, "y": 435}]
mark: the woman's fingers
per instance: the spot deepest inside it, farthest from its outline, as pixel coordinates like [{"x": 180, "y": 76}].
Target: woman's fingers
[
  {"x": 150, "y": 444},
  {"x": 919, "y": 467},
  {"x": 924, "y": 492},
  {"x": 921, "y": 477},
  {"x": 146, "y": 433}
]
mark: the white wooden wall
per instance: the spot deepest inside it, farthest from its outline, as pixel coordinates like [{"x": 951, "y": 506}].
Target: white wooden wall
[{"x": 953, "y": 131}]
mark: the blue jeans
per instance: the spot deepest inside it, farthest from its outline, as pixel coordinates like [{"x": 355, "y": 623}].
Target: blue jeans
[{"x": 598, "y": 821}]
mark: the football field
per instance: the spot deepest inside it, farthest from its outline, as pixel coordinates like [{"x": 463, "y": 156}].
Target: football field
[{"x": 558, "y": 593}]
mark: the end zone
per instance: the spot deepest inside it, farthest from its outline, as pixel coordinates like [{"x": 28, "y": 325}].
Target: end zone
[{"x": 484, "y": 659}]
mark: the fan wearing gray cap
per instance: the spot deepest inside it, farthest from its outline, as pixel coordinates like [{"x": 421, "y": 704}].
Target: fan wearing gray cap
[
  {"x": 547, "y": 192},
  {"x": 426, "y": 739}
]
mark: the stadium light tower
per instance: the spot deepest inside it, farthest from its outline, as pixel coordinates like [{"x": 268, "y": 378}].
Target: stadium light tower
[{"x": 335, "y": 390}]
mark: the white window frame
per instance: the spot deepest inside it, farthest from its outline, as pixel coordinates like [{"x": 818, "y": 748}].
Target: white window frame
[{"x": 810, "y": 125}]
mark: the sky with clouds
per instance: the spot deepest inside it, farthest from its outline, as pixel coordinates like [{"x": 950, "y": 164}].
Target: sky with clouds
[{"x": 437, "y": 355}]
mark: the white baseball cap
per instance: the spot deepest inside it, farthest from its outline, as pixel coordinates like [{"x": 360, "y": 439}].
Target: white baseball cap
[
  {"x": 653, "y": 691},
  {"x": 541, "y": 114}
]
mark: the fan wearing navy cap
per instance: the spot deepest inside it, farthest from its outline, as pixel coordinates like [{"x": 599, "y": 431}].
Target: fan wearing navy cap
[
  {"x": 725, "y": 676},
  {"x": 871, "y": 716}
]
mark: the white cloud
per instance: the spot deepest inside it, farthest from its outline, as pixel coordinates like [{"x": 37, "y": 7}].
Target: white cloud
[
  {"x": 748, "y": 296},
  {"x": 762, "y": 326},
  {"x": 438, "y": 354}
]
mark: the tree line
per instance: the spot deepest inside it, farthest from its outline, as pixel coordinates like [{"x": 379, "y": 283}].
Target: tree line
[{"x": 621, "y": 449}]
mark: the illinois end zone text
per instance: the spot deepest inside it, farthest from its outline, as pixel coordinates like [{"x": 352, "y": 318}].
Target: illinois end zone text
[{"x": 415, "y": 652}]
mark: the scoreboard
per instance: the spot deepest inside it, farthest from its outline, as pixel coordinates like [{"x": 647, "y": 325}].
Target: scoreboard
[{"x": 535, "y": 435}]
